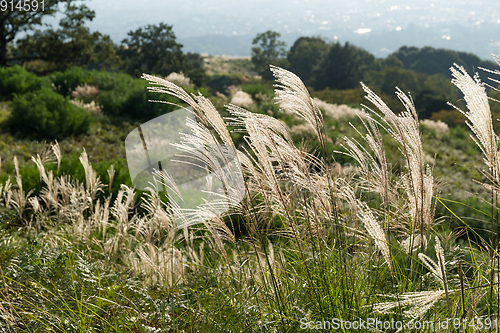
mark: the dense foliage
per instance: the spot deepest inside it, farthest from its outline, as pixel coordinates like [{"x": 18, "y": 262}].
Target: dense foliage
[
  {"x": 345, "y": 214},
  {"x": 71, "y": 45},
  {"x": 17, "y": 80},
  {"x": 432, "y": 61},
  {"x": 45, "y": 114}
]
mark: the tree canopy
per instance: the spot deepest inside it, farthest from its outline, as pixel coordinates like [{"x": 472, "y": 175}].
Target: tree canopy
[
  {"x": 153, "y": 49},
  {"x": 270, "y": 50},
  {"x": 12, "y": 22},
  {"x": 342, "y": 67},
  {"x": 431, "y": 61},
  {"x": 71, "y": 45},
  {"x": 304, "y": 54}
]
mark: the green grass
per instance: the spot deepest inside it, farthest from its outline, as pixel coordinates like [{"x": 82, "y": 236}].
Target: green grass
[{"x": 272, "y": 266}]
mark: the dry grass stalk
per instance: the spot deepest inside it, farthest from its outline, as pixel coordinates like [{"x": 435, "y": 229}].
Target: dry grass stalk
[
  {"x": 291, "y": 95},
  {"x": 417, "y": 303},
  {"x": 375, "y": 231},
  {"x": 419, "y": 182}
]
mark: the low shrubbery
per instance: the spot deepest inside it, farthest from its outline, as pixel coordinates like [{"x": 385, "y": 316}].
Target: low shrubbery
[
  {"x": 17, "y": 80},
  {"x": 119, "y": 94},
  {"x": 46, "y": 114},
  {"x": 42, "y": 108},
  {"x": 221, "y": 82},
  {"x": 67, "y": 81}
]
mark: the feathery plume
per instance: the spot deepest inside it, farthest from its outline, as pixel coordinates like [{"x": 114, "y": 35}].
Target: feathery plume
[
  {"x": 374, "y": 229},
  {"x": 203, "y": 108},
  {"x": 111, "y": 175},
  {"x": 419, "y": 182},
  {"x": 92, "y": 181},
  {"x": 479, "y": 117},
  {"x": 418, "y": 303},
  {"x": 292, "y": 96}
]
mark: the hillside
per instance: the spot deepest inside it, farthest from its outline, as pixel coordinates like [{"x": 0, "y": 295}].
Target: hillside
[{"x": 303, "y": 214}]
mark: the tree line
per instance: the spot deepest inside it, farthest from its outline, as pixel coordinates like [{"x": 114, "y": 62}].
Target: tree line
[
  {"x": 151, "y": 49},
  {"x": 322, "y": 65}
]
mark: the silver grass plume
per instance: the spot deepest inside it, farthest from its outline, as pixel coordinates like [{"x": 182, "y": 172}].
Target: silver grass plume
[
  {"x": 92, "y": 181},
  {"x": 479, "y": 118},
  {"x": 6, "y": 193},
  {"x": 57, "y": 153},
  {"x": 49, "y": 193},
  {"x": 203, "y": 108},
  {"x": 19, "y": 196},
  {"x": 417, "y": 303},
  {"x": 438, "y": 270},
  {"x": 419, "y": 182},
  {"x": 266, "y": 137},
  {"x": 200, "y": 146},
  {"x": 375, "y": 231},
  {"x": 291, "y": 95},
  {"x": 374, "y": 169},
  {"x": 111, "y": 175}
]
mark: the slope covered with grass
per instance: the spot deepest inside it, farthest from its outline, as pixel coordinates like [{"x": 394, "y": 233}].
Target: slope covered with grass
[{"x": 344, "y": 216}]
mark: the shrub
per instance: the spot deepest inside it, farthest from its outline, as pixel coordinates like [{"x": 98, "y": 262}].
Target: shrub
[
  {"x": 450, "y": 117},
  {"x": 17, "y": 80},
  {"x": 220, "y": 82},
  {"x": 46, "y": 114},
  {"x": 125, "y": 97},
  {"x": 258, "y": 89},
  {"x": 67, "y": 81},
  {"x": 118, "y": 94}
]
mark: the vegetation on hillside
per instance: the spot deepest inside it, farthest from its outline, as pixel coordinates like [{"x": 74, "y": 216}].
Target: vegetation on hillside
[
  {"x": 310, "y": 241},
  {"x": 354, "y": 202}
]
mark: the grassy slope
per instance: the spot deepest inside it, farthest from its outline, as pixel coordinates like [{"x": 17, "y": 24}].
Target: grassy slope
[{"x": 74, "y": 284}]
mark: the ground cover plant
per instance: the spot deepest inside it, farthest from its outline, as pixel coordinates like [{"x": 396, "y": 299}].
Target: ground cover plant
[{"x": 312, "y": 240}]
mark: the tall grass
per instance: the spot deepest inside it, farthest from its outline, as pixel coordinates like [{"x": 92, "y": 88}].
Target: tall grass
[{"x": 308, "y": 243}]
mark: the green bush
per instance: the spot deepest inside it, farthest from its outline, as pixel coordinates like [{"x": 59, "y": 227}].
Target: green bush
[
  {"x": 65, "y": 82},
  {"x": 120, "y": 95},
  {"x": 259, "y": 88},
  {"x": 17, "y": 80},
  {"x": 220, "y": 82},
  {"x": 46, "y": 114},
  {"x": 125, "y": 97}
]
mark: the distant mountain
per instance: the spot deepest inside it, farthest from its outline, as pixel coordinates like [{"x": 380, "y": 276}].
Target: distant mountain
[
  {"x": 431, "y": 61},
  {"x": 225, "y": 27},
  {"x": 476, "y": 40}
]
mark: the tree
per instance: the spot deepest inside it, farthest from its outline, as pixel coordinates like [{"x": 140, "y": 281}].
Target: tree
[
  {"x": 383, "y": 63},
  {"x": 71, "y": 45},
  {"x": 270, "y": 51},
  {"x": 12, "y": 22},
  {"x": 342, "y": 67},
  {"x": 196, "y": 72},
  {"x": 153, "y": 49},
  {"x": 430, "y": 92},
  {"x": 304, "y": 54},
  {"x": 431, "y": 61}
]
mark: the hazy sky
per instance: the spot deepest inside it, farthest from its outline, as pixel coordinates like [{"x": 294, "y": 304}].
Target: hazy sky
[{"x": 332, "y": 19}]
